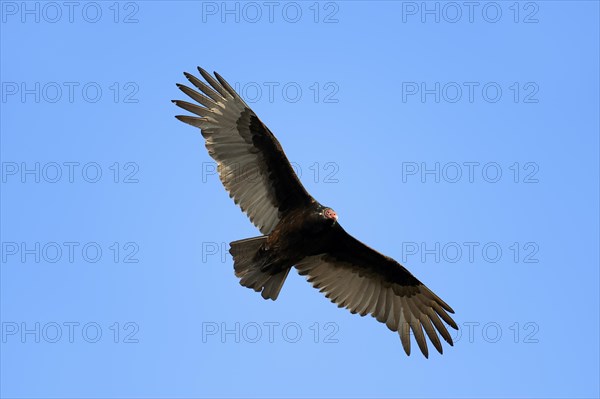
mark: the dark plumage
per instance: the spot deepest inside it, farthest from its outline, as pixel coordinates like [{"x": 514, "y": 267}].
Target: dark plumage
[{"x": 297, "y": 230}]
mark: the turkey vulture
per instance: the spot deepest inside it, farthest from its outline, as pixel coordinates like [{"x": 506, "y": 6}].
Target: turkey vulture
[{"x": 297, "y": 230}]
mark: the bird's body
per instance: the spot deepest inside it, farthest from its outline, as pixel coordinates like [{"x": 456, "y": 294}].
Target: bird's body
[
  {"x": 297, "y": 230},
  {"x": 302, "y": 232}
]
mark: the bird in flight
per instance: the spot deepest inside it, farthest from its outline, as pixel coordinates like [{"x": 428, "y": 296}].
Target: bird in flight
[{"x": 297, "y": 231}]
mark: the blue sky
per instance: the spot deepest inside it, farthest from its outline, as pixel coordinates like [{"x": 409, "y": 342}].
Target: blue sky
[{"x": 460, "y": 139}]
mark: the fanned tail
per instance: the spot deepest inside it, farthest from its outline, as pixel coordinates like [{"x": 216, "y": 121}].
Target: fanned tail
[{"x": 252, "y": 268}]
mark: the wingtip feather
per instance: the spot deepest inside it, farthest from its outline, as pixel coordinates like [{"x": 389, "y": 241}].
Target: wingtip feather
[{"x": 191, "y": 120}]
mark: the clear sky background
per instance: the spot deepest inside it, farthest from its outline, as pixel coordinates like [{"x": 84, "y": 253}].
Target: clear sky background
[{"x": 461, "y": 140}]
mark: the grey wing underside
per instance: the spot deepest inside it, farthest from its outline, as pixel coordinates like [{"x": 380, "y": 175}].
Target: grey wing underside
[
  {"x": 364, "y": 281},
  {"x": 251, "y": 163}
]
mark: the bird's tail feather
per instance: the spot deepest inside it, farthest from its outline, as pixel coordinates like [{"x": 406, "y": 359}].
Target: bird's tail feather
[{"x": 252, "y": 268}]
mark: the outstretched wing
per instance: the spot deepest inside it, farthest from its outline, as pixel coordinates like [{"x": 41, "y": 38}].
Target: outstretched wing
[
  {"x": 251, "y": 162},
  {"x": 364, "y": 281}
]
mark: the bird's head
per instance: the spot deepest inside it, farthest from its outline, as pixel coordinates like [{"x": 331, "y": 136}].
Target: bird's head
[{"x": 329, "y": 215}]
